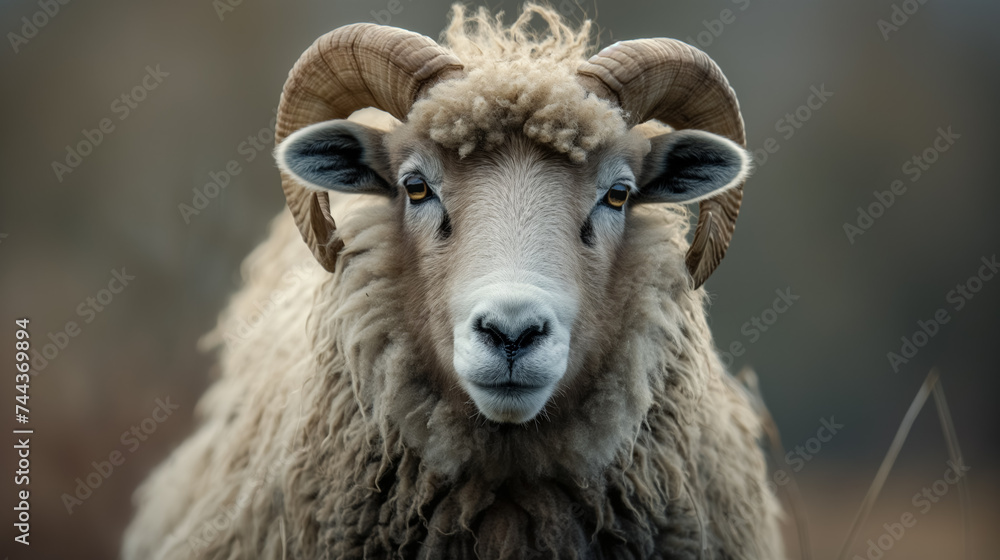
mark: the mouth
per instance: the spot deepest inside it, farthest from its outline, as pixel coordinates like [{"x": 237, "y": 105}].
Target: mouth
[
  {"x": 507, "y": 386},
  {"x": 508, "y": 401}
]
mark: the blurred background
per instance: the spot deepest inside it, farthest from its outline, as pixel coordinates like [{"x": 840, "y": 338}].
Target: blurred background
[{"x": 118, "y": 112}]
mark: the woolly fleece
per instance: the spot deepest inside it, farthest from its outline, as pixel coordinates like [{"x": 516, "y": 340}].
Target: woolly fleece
[
  {"x": 517, "y": 80},
  {"x": 323, "y": 438}
]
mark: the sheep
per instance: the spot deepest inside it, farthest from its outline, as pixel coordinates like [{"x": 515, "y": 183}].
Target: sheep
[{"x": 503, "y": 352}]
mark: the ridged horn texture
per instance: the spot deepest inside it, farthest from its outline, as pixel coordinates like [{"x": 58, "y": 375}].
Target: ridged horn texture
[
  {"x": 681, "y": 86},
  {"x": 350, "y": 68}
]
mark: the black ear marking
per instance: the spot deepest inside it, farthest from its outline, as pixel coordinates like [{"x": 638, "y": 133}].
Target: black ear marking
[
  {"x": 691, "y": 165},
  {"x": 337, "y": 155}
]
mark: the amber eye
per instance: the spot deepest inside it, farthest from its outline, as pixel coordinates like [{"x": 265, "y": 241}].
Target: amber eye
[
  {"x": 416, "y": 188},
  {"x": 617, "y": 195}
]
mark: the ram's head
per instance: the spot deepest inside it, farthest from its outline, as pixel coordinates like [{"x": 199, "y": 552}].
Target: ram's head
[{"x": 513, "y": 180}]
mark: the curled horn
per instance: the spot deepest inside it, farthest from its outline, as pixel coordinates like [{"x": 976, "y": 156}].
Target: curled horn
[
  {"x": 350, "y": 68},
  {"x": 681, "y": 86}
]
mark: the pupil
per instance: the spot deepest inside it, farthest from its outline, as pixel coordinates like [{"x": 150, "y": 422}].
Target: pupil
[
  {"x": 415, "y": 186},
  {"x": 617, "y": 194}
]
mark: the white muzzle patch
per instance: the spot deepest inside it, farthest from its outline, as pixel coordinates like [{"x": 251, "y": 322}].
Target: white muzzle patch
[{"x": 512, "y": 347}]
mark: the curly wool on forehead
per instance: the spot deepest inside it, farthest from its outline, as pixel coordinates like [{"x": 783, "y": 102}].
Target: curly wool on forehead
[{"x": 518, "y": 80}]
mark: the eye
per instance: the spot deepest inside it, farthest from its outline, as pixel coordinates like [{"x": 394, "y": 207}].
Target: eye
[
  {"x": 617, "y": 195},
  {"x": 416, "y": 188}
]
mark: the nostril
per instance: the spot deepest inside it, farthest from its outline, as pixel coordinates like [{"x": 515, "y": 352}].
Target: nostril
[
  {"x": 509, "y": 344},
  {"x": 529, "y": 335},
  {"x": 493, "y": 334}
]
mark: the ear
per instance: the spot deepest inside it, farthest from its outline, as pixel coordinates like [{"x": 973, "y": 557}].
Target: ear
[
  {"x": 691, "y": 165},
  {"x": 337, "y": 155}
]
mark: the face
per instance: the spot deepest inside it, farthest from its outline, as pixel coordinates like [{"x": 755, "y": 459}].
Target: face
[
  {"x": 512, "y": 251},
  {"x": 509, "y": 247}
]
